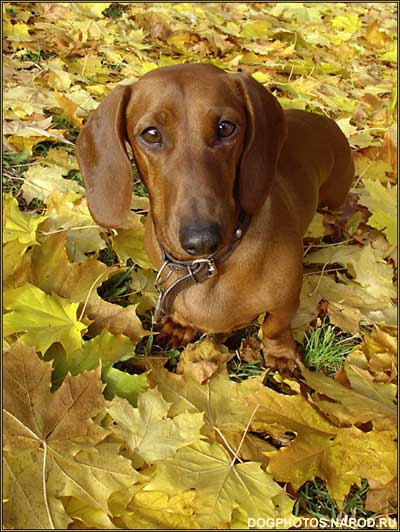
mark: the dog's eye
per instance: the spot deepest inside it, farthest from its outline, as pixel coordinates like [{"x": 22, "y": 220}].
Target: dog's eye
[
  {"x": 151, "y": 135},
  {"x": 226, "y": 129}
]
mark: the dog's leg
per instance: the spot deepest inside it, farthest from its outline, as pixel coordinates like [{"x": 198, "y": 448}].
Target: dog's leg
[{"x": 279, "y": 348}]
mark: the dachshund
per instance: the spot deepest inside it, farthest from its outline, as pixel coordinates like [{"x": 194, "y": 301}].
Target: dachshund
[{"x": 233, "y": 181}]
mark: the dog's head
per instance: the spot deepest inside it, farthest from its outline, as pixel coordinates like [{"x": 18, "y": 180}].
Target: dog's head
[{"x": 206, "y": 145}]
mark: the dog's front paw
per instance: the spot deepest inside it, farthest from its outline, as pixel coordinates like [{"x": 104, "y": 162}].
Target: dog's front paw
[
  {"x": 281, "y": 355},
  {"x": 172, "y": 334}
]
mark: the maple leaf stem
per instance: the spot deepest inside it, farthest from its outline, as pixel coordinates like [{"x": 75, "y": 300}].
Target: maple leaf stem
[
  {"x": 77, "y": 228},
  {"x": 244, "y": 434},
  {"x": 319, "y": 279},
  {"x": 234, "y": 453},
  {"x": 89, "y": 294},
  {"x": 46, "y": 502},
  {"x": 359, "y": 178}
]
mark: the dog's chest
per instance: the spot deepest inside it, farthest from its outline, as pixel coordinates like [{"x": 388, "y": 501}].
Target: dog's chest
[{"x": 219, "y": 305}]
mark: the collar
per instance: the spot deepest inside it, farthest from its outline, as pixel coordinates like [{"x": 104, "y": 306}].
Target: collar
[{"x": 194, "y": 271}]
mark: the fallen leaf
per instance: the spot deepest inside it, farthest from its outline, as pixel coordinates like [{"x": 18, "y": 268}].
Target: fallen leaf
[
  {"x": 382, "y": 203},
  {"x": 342, "y": 460},
  {"x": 381, "y": 496},
  {"x": 129, "y": 242},
  {"x": 157, "y": 510},
  {"x": 52, "y": 447},
  {"x": 220, "y": 485},
  {"x": 54, "y": 273},
  {"x": 202, "y": 360},
  {"x": 43, "y": 319},
  {"x": 105, "y": 349},
  {"x": 363, "y": 401},
  {"x": 123, "y": 384},
  {"x": 41, "y": 180},
  {"x": 118, "y": 320},
  {"x": 20, "y": 226},
  {"x": 149, "y": 433}
]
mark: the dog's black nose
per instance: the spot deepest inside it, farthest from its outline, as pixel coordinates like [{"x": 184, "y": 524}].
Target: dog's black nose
[{"x": 200, "y": 239}]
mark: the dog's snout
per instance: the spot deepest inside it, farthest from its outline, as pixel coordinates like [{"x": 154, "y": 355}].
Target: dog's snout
[{"x": 200, "y": 239}]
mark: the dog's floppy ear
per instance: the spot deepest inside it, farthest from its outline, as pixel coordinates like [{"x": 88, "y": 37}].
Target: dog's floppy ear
[
  {"x": 104, "y": 161},
  {"x": 265, "y": 134}
]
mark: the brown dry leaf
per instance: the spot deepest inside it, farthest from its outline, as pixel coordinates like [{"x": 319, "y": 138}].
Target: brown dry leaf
[
  {"x": 52, "y": 446},
  {"x": 116, "y": 319},
  {"x": 382, "y": 497},
  {"x": 250, "y": 350},
  {"x": 201, "y": 360}
]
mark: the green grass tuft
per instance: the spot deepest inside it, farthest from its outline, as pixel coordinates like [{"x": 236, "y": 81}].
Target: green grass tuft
[
  {"x": 315, "y": 499},
  {"x": 325, "y": 349},
  {"x": 240, "y": 371}
]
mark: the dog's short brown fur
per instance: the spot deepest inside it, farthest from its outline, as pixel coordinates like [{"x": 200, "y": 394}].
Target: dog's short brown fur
[{"x": 277, "y": 166}]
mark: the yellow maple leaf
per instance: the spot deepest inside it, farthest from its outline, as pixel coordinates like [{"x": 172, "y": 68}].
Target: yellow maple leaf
[
  {"x": 221, "y": 486},
  {"x": 155, "y": 509},
  {"x": 149, "y": 433},
  {"x": 129, "y": 242},
  {"x": 382, "y": 203},
  {"x": 41, "y": 180},
  {"x": 69, "y": 211},
  {"x": 52, "y": 272},
  {"x": 342, "y": 460},
  {"x": 89, "y": 9},
  {"x": 16, "y": 264},
  {"x": 69, "y": 108},
  {"x": 42, "y": 319},
  {"x": 363, "y": 401},
  {"x": 117, "y": 319},
  {"x": 18, "y": 225}
]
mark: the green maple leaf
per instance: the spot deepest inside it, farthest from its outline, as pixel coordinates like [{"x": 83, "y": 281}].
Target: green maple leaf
[
  {"x": 123, "y": 384},
  {"x": 43, "y": 319},
  {"x": 105, "y": 348},
  {"x": 52, "y": 446}
]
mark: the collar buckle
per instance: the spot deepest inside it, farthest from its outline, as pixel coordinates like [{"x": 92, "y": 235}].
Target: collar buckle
[{"x": 212, "y": 267}]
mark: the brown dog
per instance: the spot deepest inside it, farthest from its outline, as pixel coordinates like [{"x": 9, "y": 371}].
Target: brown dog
[{"x": 232, "y": 179}]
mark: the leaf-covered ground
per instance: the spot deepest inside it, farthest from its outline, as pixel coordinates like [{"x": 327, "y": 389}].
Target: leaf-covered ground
[{"x": 98, "y": 433}]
